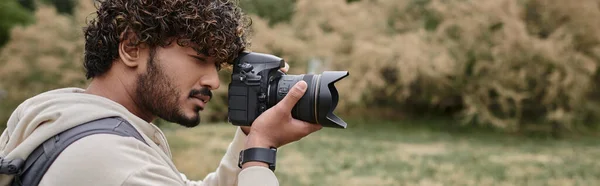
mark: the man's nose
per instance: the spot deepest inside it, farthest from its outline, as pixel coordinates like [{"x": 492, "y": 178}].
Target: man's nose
[{"x": 211, "y": 81}]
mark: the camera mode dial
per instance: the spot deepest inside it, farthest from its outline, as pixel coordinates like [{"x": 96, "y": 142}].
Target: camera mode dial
[{"x": 246, "y": 67}]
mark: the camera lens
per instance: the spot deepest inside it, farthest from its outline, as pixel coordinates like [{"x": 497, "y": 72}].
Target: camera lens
[{"x": 318, "y": 102}]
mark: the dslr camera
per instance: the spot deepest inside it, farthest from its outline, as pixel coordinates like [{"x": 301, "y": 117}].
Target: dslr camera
[{"x": 257, "y": 84}]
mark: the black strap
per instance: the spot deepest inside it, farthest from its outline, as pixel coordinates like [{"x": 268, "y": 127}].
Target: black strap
[
  {"x": 44, "y": 155},
  {"x": 265, "y": 155}
]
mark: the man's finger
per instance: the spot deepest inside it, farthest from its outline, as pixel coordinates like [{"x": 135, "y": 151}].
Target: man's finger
[
  {"x": 293, "y": 95},
  {"x": 286, "y": 68},
  {"x": 306, "y": 127}
]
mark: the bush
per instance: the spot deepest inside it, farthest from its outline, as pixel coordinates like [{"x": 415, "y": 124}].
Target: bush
[
  {"x": 275, "y": 11},
  {"x": 523, "y": 64},
  {"x": 516, "y": 65},
  {"x": 19, "y": 12},
  {"x": 509, "y": 64},
  {"x": 42, "y": 56},
  {"x": 12, "y": 14}
]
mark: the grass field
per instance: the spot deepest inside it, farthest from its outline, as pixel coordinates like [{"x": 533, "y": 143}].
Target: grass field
[{"x": 388, "y": 153}]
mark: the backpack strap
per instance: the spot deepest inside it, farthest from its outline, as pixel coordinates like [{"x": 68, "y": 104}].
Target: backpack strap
[{"x": 44, "y": 155}]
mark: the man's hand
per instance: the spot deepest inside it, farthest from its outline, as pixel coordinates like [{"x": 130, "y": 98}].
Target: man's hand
[
  {"x": 275, "y": 127},
  {"x": 246, "y": 129}
]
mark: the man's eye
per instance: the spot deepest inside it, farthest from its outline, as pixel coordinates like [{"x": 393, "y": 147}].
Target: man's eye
[{"x": 202, "y": 61}]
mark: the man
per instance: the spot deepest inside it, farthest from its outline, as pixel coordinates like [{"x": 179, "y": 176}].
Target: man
[{"x": 150, "y": 59}]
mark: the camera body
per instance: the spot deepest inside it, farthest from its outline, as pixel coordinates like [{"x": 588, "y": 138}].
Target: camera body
[{"x": 249, "y": 87}]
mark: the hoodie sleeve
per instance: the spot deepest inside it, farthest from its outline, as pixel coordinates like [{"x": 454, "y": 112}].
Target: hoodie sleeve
[{"x": 105, "y": 159}]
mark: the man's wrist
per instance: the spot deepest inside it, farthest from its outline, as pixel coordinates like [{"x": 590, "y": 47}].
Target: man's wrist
[
  {"x": 256, "y": 141},
  {"x": 252, "y": 144},
  {"x": 255, "y": 163},
  {"x": 255, "y": 144}
]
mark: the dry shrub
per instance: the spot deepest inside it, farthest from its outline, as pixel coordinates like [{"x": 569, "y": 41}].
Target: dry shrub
[
  {"x": 504, "y": 63},
  {"x": 43, "y": 56},
  {"x": 519, "y": 63}
]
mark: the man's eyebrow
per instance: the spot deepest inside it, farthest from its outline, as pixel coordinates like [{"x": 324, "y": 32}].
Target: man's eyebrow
[{"x": 198, "y": 57}]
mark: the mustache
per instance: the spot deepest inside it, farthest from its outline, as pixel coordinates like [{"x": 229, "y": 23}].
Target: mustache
[{"x": 202, "y": 91}]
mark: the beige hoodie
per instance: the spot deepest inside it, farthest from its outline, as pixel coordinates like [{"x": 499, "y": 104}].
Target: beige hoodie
[{"x": 105, "y": 159}]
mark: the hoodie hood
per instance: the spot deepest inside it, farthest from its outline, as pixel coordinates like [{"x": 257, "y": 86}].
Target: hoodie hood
[{"x": 47, "y": 114}]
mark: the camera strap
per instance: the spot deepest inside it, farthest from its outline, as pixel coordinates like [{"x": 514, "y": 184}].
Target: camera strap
[{"x": 44, "y": 155}]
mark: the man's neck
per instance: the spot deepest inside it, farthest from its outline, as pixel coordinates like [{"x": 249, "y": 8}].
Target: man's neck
[{"x": 113, "y": 88}]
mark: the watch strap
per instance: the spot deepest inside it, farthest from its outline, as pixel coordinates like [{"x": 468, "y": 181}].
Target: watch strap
[{"x": 265, "y": 155}]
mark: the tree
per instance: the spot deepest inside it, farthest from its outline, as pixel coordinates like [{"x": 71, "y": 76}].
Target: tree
[
  {"x": 509, "y": 64},
  {"x": 43, "y": 56},
  {"x": 12, "y": 14},
  {"x": 275, "y": 11}
]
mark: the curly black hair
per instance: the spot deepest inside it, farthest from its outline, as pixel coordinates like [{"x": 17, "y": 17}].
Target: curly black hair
[{"x": 218, "y": 28}]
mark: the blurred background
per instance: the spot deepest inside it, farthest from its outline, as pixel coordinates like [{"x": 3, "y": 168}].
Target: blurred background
[{"x": 440, "y": 92}]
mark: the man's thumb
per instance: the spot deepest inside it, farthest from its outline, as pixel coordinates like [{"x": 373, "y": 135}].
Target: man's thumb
[{"x": 293, "y": 95}]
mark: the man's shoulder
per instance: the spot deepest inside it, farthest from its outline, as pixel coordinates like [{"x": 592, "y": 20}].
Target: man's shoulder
[
  {"x": 107, "y": 148},
  {"x": 101, "y": 158}
]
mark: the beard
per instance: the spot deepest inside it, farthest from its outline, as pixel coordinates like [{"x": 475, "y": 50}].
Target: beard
[{"x": 156, "y": 93}]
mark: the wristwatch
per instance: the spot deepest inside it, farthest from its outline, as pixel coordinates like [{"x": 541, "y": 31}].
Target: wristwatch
[{"x": 266, "y": 155}]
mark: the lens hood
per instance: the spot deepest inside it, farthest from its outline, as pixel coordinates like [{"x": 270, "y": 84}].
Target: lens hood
[{"x": 328, "y": 98}]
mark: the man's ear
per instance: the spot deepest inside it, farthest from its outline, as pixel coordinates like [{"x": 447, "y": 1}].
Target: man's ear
[{"x": 129, "y": 53}]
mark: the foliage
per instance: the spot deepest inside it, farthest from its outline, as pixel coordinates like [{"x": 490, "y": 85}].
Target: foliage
[
  {"x": 28, "y": 4},
  {"x": 12, "y": 14},
  {"x": 42, "y": 56},
  {"x": 503, "y": 63},
  {"x": 62, "y": 6},
  {"x": 276, "y": 11},
  {"x": 19, "y": 12},
  {"x": 516, "y": 65}
]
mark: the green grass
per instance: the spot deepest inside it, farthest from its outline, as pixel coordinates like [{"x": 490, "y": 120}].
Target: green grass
[{"x": 408, "y": 153}]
